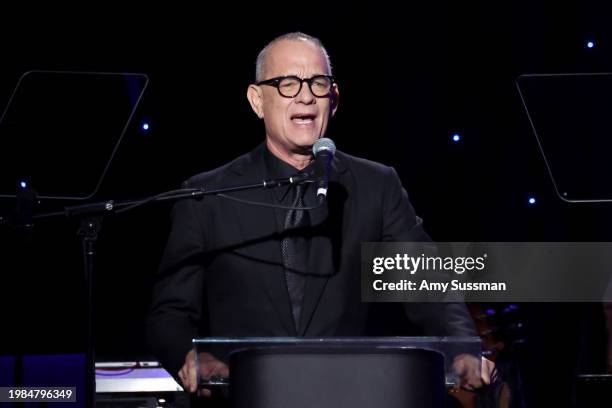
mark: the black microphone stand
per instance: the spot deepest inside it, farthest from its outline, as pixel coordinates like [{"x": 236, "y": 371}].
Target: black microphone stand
[{"x": 91, "y": 216}]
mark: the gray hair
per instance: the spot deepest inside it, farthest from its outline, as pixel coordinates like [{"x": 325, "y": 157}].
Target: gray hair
[{"x": 296, "y": 36}]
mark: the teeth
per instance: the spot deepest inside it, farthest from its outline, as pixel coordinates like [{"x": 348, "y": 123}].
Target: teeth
[{"x": 302, "y": 120}]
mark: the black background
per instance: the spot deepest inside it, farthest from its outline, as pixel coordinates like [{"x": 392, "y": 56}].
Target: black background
[{"x": 410, "y": 76}]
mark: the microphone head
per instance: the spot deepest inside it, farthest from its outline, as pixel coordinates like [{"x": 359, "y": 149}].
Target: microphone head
[{"x": 324, "y": 144}]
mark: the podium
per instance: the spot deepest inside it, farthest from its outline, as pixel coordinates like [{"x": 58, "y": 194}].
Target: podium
[{"x": 336, "y": 372}]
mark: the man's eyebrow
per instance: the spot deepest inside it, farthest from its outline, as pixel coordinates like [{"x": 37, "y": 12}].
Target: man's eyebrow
[{"x": 306, "y": 77}]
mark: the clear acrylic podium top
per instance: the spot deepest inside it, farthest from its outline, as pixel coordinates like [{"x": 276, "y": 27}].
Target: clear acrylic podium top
[{"x": 450, "y": 347}]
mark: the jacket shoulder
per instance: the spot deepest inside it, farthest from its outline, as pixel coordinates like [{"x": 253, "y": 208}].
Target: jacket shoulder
[
  {"x": 364, "y": 167},
  {"x": 218, "y": 175}
]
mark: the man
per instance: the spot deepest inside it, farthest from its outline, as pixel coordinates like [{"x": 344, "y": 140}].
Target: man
[{"x": 238, "y": 270}]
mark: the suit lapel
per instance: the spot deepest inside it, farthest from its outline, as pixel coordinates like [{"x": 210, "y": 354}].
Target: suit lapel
[
  {"x": 259, "y": 231},
  {"x": 326, "y": 244},
  {"x": 258, "y": 228}
]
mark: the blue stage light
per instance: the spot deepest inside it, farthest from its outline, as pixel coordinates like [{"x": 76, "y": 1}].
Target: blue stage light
[
  {"x": 531, "y": 200},
  {"x": 456, "y": 137},
  {"x": 590, "y": 44},
  {"x": 510, "y": 308},
  {"x": 145, "y": 126},
  {"x": 23, "y": 184}
]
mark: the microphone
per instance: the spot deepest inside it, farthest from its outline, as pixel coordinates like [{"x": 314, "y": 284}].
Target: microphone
[{"x": 323, "y": 151}]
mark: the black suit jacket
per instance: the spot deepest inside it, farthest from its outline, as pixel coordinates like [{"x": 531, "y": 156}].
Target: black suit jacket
[{"x": 222, "y": 275}]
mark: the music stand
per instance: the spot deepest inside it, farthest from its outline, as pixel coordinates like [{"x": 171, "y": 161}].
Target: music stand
[
  {"x": 59, "y": 132},
  {"x": 569, "y": 116}
]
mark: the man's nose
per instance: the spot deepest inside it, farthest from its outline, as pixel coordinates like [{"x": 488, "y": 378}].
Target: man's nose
[{"x": 305, "y": 95}]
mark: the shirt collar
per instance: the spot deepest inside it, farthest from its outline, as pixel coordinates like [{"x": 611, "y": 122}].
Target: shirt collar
[{"x": 277, "y": 168}]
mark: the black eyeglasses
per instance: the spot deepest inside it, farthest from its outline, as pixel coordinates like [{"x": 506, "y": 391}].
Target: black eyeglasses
[{"x": 291, "y": 85}]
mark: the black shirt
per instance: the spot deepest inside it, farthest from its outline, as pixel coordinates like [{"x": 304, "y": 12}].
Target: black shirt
[{"x": 276, "y": 168}]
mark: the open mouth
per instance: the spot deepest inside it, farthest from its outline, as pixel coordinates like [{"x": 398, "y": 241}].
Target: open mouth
[{"x": 303, "y": 118}]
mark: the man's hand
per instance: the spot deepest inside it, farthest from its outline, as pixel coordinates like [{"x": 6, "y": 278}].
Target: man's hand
[
  {"x": 209, "y": 367},
  {"x": 473, "y": 372}
]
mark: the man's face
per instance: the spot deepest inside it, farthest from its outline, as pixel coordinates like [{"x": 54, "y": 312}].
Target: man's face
[{"x": 293, "y": 124}]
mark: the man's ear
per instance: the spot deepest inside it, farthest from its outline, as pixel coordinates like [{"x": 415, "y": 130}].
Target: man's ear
[
  {"x": 255, "y": 97},
  {"x": 334, "y": 99}
]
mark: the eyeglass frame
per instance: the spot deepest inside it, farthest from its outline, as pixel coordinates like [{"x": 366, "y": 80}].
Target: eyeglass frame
[{"x": 275, "y": 82}]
